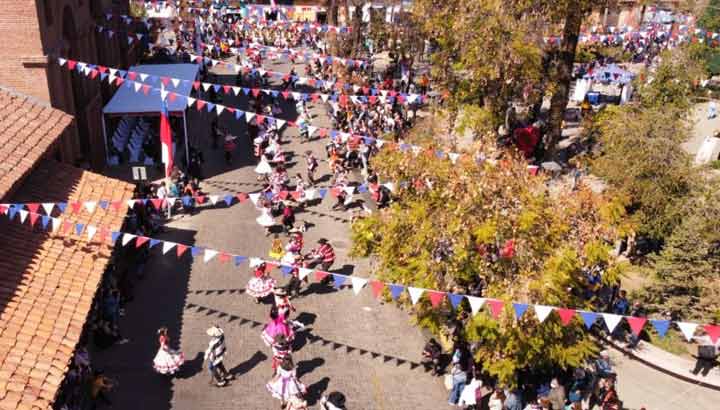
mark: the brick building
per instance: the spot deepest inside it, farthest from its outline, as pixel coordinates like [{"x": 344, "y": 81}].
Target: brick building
[
  {"x": 623, "y": 13},
  {"x": 35, "y": 33}
]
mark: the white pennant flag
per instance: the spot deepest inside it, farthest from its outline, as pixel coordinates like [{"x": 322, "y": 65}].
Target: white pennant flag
[
  {"x": 62, "y": 61},
  {"x": 90, "y": 206},
  {"x": 48, "y": 207},
  {"x": 324, "y": 97},
  {"x": 296, "y": 96},
  {"x": 219, "y": 108},
  {"x": 175, "y": 81},
  {"x": 349, "y": 190},
  {"x": 236, "y": 90},
  {"x": 279, "y": 123},
  {"x": 358, "y": 284},
  {"x": 111, "y": 79},
  {"x": 56, "y": 222},
  {"x": 390, "y": 186},
  {"x": 475, "y": 304},
  {"x": 131, "y": 203},
  {"x": 23, "y": 215},
  {"x": 190, "y": 101},
  {"x": 209, "y": 254},
  {"x": 167, "y": 246},
  {"x": 311, "y": 130},
  {"x": 453, "y": 157},
  {"x": 163, "y": 94},
  {"x": 415, "y": 294},
  {"x": 127, "y": 237},
  {"x": 206, "y": 86},
  {"x": 542, "y": 312},
  {"x": 310, "y": 194},
  {"x": 91, "y": 230},
  {"x": 143, "y": 77},
  {"x": 214, "y": 198},
  {"x": 137, "y": 86},
  {"x": 303, "y": 272},
  {"x": 254, "y": 197},
  {"x": 255, "y": 262},
  {"x": 249, "y": 116},
  {"x": 687, "y": 329},
  {"x": 611, "y": 321},
  {"x": 379, "y": 142},
  {"x": 113, "y": 71}
]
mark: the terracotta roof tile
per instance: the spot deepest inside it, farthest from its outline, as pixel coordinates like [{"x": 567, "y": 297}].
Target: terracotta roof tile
[
  {"x": 48, "y": 281},
  {"x": 28, "y": 129}
]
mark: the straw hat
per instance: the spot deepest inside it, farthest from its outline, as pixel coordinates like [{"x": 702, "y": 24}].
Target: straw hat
[{"x": 214, "y": 331}]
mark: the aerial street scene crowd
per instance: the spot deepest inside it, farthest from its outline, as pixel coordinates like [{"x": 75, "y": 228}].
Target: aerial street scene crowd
[{"x": 359, "y": 205}]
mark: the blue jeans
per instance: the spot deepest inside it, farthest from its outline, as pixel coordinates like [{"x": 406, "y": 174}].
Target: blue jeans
[{"x": 457, "y": 389}]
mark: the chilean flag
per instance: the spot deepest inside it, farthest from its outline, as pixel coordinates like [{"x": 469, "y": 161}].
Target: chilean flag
[{"x": 166, "y": 139}]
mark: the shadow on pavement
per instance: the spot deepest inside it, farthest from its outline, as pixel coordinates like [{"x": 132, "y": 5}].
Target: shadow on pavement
[
  {"x": 249, "y": 364},
  {"x": 307, "y": 366}
]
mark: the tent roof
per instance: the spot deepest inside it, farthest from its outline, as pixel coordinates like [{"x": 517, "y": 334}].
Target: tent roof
[{"x": 127, "y": 101}]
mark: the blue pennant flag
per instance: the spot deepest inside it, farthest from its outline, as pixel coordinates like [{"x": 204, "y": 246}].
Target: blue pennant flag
[
  {"x": 404, "y": 147},
  {"x": 520, "y": 309},
  {"x": 114, "y": 236},
  {"x": 440, "y": 154},
  {"x": 238, "y": 114},
  {"x": 228, "y": 200},
  {"x": 216, "y": 87},
  {"x": 79, "y": 228},
  {"x": 246, "y": 91},
  {"x": 455, "y": 299},
  {"x": 45, "y": 220},
  {"x": 239, "y": 259},
  {"x": 195, "y": 251},
  {"x": 404, "y": 184},
  {"x": 285, "y": 270},
  {"x": 339, "y": 280},
  {"x": 588, "y": 317},
  {"x": 210, "y": 107},
  {"x": 103, "y": 76},
  {"x": 661, "y": 326},
  {"x": 275, "y": 93},
  {"x": 12, "y": 211},
  {"x": 103, "y": 204},
  {"x": 269, "y": 195},
  {"x": 396, "y": 291},
  {"x": 323, "y": 192},
  {"x": 186, "y": 201},
  {"x": 154, "y": 242},
  {"x": 362, "y": 188},
  {"x": 61, "y": 206}
]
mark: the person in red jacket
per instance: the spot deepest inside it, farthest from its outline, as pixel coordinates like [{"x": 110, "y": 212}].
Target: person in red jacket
[{"x": 323, "y": 255}]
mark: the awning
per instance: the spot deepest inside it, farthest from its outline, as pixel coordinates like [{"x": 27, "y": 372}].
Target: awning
[{"x": 128, "y": 102}]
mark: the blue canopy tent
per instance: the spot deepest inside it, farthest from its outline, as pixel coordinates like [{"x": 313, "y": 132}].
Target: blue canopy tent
[{"x": 129, "y": 102}]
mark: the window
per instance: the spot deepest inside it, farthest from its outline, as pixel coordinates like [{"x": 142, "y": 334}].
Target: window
[{"x": 48, "y": 12}]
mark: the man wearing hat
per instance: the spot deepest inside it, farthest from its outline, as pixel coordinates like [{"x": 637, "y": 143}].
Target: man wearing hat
[{"x": 214, "y": 356}]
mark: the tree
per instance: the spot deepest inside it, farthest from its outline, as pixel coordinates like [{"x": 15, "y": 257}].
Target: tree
[
  {"x": 710, "y": 18},
  {"x": 453, "y": 224},
  {"x": 687, "y": 271}
]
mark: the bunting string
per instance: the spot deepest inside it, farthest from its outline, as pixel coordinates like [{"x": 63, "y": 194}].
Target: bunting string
[{"x": 435, "y": 297}]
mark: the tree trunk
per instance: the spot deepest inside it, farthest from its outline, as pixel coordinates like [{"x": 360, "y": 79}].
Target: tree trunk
[
  {"x": 331, "y": 36},
  {"x": 566, "y": 59}
]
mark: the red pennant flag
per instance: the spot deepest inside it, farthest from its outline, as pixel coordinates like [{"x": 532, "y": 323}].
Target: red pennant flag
[
  {"x": 224, "y": 257},
  {"x": 200, "y": 104},
  {"x": 102, "y": 69},
  {"x": 255, "y": 92},
  {"x": 146, "y": 89},
  {"x": 119, "y": 81},
  {"x": 241, "y": 197},
  {"x": 636, "y": 324},
  {"x": 157, "y": 203},
  {"x": 365, "y": 90},
  {"x": 335, "y": 192},
  {"x": 180, "y": 249},
  {"x": 102, "y": 234},
  {"x": 566, "y": 315},
  {"x": 393, "y": 93},
  {"x": 3, "y": 209},
  {"x": 116, "y": 205},
  {"x": 320, "y": 275},
  {"x": 226, "y": 89},
  {"x": 312, "y": 82},
  {"x": 285, "y": 94},
  {"x": 132, "y": 75},
  {"x": 323, "y": 132},
  {"x": 93, "y": 74},
  {"x": 140, "y": 241},
  {"x": 377, "y": 287},
  {"x": 75, "y": 207},
  {"x": 259, "y": 119},
  {"x": 343, "y": 99},
  {"x": 165, "y": 80},
  {"x": 33, "y": 207},
  {"x": 713, "y": 331},
  {"x": 172, "y": 96},
  {"x": 314, "y": 97},
  {"x": 401, "y": 99},
  {"x": 196, "y": 85},
  {"x": 496, "y": 307},
  {"x": 283, "y": 195},
  {"x": 200, "y": 199},
  {"x": 296, "y": 195},
  {"x": 269, "y": 266},
  {"x": 435, "y": 297},
  {"x": 66, "y": 226},
  {"x": 372, "y": 99},
  {"x": 33, "y": 218},
  {"x": 71, "y": 64}
]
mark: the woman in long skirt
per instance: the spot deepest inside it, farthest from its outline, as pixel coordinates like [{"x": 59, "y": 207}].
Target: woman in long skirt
[
  {"x": 261, "y": 285},
  {"x": 167, "y": 360},
  {"x": 285, "y": 384}
]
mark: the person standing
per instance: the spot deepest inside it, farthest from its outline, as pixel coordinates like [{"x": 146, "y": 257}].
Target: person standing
[
  {"x": 261, "y": 285},
  {"x": 167, "y": 360},
  {"x": 459, "y": 377},
  {"x": 285, "y": 384},
  {"x": 214, "y": 356}
]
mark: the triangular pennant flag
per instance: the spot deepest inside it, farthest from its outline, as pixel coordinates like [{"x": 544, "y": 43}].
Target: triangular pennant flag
[
  {"x": 661, "y": 326},
  {"x": 321, "y": 275},
  {"x": 476, "y": 304},
  {"x": 154, "y": 242},
  {"x": 436, "y": 297},
  {"x": 303, "y": 273},
  {"x": 588, "y": 318},
  {"x": 45, "y": 220},
  {"x": 396, "y": 291},
  {"x": 33, "y": 207},
  {"x": 358, "y": 284},
  {"x": 195, "y": 251},
  {"x": 23, "y": 215},
  {"x": 127, "y": 237},
  {"x": 180, "y": 250},
  {"x": 611, "y": 321},
  {"x": 542, "y": 312},
  {"x": 214, "y": 199},
  {"x": 636, "y": 324},
  {"x": 713, "y": 331},
  {"x": 566, "y": 315},
  {"x": 33, "y": 218},
  {"x": 239, "y": 259},
  {"x": 338, "y": 280},
  {"x": 254, "y": 197},
  {"x": 48, "y": 207},
  {"x": 91, "y": 230},
  {"x": 377, "y": 288},
  {"x": 255, "y": 262},
  {"x": 209, "y": 254},
  {"x": 167, "y": 245},
  {"x": 455, "y": 299},
  {"x": 114, "y": 236},
  {"x": 415, "y": 294},
  {"x": 496, "y": 307},
  {"x": 140, "y": 241},
  {"x": 687, "y": 329},
  {"x": 520, "y": 309}
]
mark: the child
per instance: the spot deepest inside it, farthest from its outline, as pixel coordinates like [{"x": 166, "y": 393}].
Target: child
[
  {"x": 285, "y": 385},
  {"x": 312, "y": 165},
  {"x": 281, "y": 350},
  {"x": 288, "y": 217},
  {"x": 229, "y": 147},
  {"x": 276, "y": 249}
]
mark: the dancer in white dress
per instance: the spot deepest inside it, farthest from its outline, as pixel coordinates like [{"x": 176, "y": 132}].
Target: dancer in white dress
[
  {"x": 266, "y": 219},
  {"x": 285, "y": 384},
  {"x": 167, "y": 360}
]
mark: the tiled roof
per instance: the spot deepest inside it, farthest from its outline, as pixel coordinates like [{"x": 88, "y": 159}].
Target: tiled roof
[
  {"x": 28, "y": 128},
  {"x": 48, "y": 281}
]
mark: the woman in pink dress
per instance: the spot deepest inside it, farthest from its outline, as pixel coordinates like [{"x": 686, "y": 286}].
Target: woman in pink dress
[
  {"x": 285, "y": 385},
  {"x": 278, "y": 325},
  {"x": 167, "y": 360}
]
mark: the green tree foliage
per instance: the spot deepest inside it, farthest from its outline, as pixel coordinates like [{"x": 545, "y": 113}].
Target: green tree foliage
[
  {"x": 710, "y": 18},
  {"x": 673, "y": 82},
  {"x": 448, "y": 228},
  {"x": 687, "y": 271}
]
